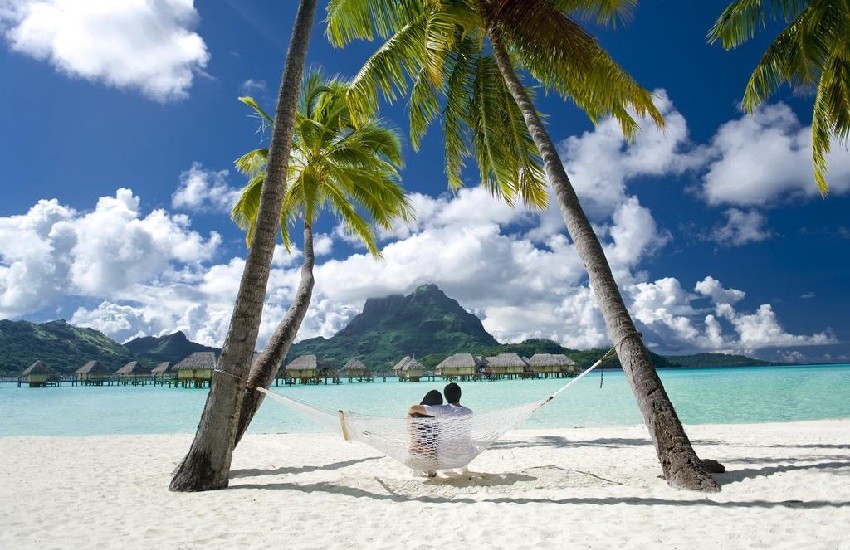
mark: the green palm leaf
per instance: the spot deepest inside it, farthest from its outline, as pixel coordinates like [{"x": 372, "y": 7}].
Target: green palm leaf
[
  {"x": 347, "y": 163},
  {"x": 812, "y": 48}
]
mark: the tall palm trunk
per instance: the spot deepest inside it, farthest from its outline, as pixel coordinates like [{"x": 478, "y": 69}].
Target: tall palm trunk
[
  {"x": 265, "y": 367},
  {"x": 679, "y": 462},
  {"x": 207, "y": 465}
]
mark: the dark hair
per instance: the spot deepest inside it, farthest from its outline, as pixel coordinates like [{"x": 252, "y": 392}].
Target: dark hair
[
  {"x": 452, "y": 392},
  {"x": 433, "y": 397}
]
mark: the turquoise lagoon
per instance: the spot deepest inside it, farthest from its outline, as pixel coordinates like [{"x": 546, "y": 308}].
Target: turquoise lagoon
[{"x": 715, "y": 395}]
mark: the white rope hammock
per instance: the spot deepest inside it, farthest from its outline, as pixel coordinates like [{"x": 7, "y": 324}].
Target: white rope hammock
[{"x": 430, "y": 443}]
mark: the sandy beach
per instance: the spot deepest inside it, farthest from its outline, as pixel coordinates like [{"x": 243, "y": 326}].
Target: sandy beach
[{"x": 787, "y": 485}]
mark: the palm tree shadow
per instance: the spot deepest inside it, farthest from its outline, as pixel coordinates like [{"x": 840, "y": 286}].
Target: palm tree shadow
[
  {"x": 735, "y": 476},
  {"x": 393, "y": 496},
  {"x": 235, "y": 474},
  {"x": 560, "y": 441}
]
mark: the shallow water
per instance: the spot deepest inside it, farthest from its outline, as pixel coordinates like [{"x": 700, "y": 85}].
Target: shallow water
[{"x": 701, "y": 396}]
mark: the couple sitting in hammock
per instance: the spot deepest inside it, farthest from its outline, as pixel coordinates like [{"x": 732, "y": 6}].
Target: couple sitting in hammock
[{"x": 440, "y": 435}]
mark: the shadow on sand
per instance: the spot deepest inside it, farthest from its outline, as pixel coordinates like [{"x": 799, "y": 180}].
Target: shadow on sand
[
  {"x": 390, "y": 495},
  {"x": 236, "y": 474}
]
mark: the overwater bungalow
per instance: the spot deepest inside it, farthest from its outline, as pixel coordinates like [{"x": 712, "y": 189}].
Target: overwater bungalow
[
  {"x": 409, "y": 370},
  {"x": 133, "y": 373},
  {"x": 38, "y": 375},
  {"x": 196, "y": 370},
  {"x": 304, "y": 369},
  {"x": 551, "y": 365},
  {"x": 162, "y": 372},
  {"x": 355, "y": 368},
  {"x": 461, "y": 366},
  {"x": 93, "y": 373},
  {"x": 505, "y": 365}
]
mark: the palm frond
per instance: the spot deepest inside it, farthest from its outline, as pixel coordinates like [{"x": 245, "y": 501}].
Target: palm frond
[
  {"x": 603, "y": 12},
  {"x": 266, "y": 120},
  {"x": 348, "y": 20},
  {"x": 252, "y": 162},
  {"x": 244, "y": 212},
  {"x": 424, "y": 107},
  {"x": 831, "y": 115},
  {"x": 386, "y": 71},
  {"x": 561, "y": 55},
  {"x": 741, "y": 19},
  {"x": 338, "y": 157}
]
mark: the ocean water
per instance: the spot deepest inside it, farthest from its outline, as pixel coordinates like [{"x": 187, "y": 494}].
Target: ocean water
[{"x": 716, "y": 395}]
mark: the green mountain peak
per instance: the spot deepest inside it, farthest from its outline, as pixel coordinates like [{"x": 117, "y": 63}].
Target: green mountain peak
[{"x": 421, "y": 323}]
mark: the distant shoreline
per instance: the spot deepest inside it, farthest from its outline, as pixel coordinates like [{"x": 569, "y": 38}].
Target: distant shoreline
[{"x": 13, "y": 379}]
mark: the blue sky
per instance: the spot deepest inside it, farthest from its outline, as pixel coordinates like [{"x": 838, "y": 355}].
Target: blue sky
[{"x": 120, "y": 126}]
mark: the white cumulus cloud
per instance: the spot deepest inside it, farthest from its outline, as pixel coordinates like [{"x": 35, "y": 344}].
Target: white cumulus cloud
[
  {"x": 741, "y": 228},
  {"x": 761, "y": 158},
  {"x": 713, "y": 289},
  {"x": 601, "y": 185},
  {"x": 148, "y": 45},
  {"x": 204, "y": 190},
  {"x": 54, "y": 250}
]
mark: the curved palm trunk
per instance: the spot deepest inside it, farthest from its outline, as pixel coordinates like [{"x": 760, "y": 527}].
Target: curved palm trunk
[
  {"x": 679, "y": 462},
  {"x": 265, "y": 367},
  {"x": 207, "y": 465}
]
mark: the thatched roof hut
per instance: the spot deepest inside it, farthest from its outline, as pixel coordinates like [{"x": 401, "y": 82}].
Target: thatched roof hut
[
  {"x": 93, "y": 372},
  {"x": 307, "y": 368},
  {"x": 39, "y": 374},
  {"x": 39, "y": 368},
  {"x": 551, "y": 363},
  {"x": 161, "y": 369},
  {"x": 303, "y": 363},
  {"x": 133, "y": 368},
  {"x": 93, "y": 368},
  {"x": 354, "y": 367},
  {"x": 197, "y": 369},
  {"x": 459, "y": 364},
  {"x": 200, "y": 360},
  {"x": 413, "y": 365},
  {"x": 398, "y": 367},
  {"x": 199, "y": 365},
  {"x": 506, "y": 363},
  {"x": 409, "y": 369}
]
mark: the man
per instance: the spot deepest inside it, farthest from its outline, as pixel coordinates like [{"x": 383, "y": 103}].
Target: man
[{"x": 454, "y": 444}]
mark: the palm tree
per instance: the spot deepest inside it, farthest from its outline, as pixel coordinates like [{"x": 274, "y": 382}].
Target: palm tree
[
  {"x": 338, "y": 162},
  {"x": 207, "y": 464},
  {"x": 539, "y": 36},
  {"x": 811, "y": 49}
]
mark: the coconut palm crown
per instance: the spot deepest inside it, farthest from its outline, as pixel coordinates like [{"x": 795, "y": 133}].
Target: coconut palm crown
[
  {"x": 813, "y": 49},
  {"x": 439, "y": 48},
  {"x": 339, "y": 161}
]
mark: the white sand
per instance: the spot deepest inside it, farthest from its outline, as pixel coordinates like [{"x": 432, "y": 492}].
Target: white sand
[{"x": 786, "y": 486}]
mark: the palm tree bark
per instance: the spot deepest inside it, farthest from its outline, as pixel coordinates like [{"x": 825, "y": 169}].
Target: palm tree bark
[
  {"x": 207, "y": 464},
  {"x": 679, "y": 462},
  {"x": 265, "y": 367}
]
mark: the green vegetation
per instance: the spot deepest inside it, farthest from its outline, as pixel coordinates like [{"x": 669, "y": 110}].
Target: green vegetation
[
  {"x": 426, "y": 324},
  {"x": 174, "y": 348},
  {"x": 715, "y": 360},
  {"x": 64, "y": 347}
]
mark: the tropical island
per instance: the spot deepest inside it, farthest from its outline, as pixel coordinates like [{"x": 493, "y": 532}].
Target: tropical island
[
  {"x": 426, "y": 324},
  {"x": 543, "y": 119}
]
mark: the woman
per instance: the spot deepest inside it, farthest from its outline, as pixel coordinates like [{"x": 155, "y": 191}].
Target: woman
[{"x": 423, "y": 432}]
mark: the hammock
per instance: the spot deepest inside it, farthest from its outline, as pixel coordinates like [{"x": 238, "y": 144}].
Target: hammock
[{"x": 426, "y": 444}]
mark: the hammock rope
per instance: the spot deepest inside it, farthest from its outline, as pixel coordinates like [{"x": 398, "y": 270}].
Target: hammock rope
[{"x": 430, "y": 443}]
